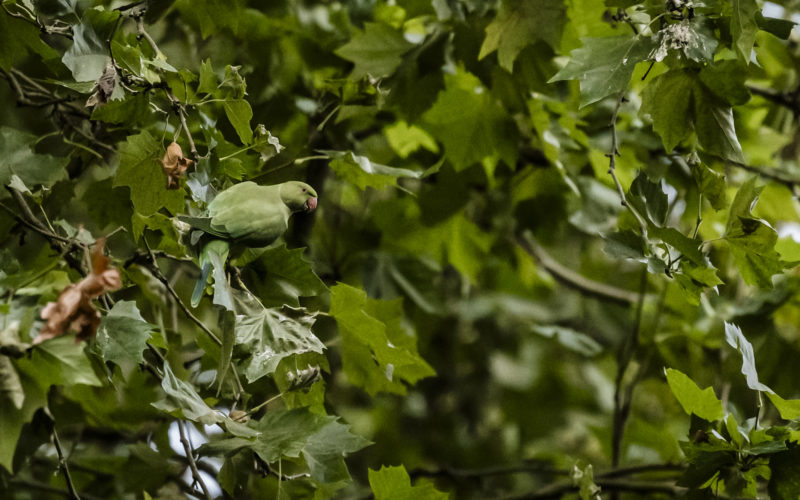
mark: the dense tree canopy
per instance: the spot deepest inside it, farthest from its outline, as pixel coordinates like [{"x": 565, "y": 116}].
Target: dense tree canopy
[{"x": 553, "y": 253}]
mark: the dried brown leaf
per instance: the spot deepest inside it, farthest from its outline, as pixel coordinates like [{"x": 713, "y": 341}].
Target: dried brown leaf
[
  {"x": 104, "y": 88},
  {"x": 73, "y": 310},
  {"x": 174, "y": 165}
]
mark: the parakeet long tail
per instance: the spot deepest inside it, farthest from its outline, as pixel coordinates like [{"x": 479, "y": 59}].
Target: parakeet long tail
[
  {"x": 200, "y": 286},
  {"x": 212, "y": 257}
]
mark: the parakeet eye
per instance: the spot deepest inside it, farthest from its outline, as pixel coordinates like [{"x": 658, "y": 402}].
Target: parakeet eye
[{"x": 304, "y": 190}]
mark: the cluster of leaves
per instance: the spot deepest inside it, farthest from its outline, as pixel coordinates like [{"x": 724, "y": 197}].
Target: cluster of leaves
[{"x": 490, "y": 289}]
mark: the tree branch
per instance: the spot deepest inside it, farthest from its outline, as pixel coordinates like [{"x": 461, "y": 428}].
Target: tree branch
[
  {"x": 557, "y": 490},
  {"x": 500, "y": 470},
  {"x": 612, "y": 166},
  {"x": 786, "y": 99},
  {"x": 775, "y": 175},
  {"x": 570, "y": 278},
  {"x": 192, "y": 465},
  {"x": 156, "y": 270},
  {"x": 34, "y": 485},
  {"x": 62, "y": 463}
]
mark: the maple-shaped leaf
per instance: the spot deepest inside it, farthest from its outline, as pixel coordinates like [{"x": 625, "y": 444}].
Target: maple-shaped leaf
[
  {"x": 520, "y": 23},
  {"x": 604, "y": 65},
  {"x": 377, "y": 52}
]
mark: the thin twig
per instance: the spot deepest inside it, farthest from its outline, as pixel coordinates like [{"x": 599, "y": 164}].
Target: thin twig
[
  {"x": 33, "y": 485},
  {"x": 62, "y": 463},
  {"x": 641, "y": 469},
  {"x": 572, "y": 279},
  {"x": 192, "y": 465},
  {"x": 623, "y": 394},
  {"x": 156, "y": 270},
  {"x": 612, "y": 165},
  {"x": 557, "y": 490},
  {"x": 780, "y": 177},
  {"x": 786, "y": 99},
  {"x": 180, "y": 109},
  {"x": 500, "y": 470}
]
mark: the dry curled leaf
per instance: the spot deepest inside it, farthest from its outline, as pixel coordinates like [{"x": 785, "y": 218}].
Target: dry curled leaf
[
  {"x": 104, "y": 88},
  {"x": 73, "y": 311},
  {"x": 174, "y": 165}
]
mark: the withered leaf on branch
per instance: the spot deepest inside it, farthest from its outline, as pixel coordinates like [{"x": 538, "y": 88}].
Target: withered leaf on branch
[
  {"x": 174, "y": 165},
  {"x": 105, "y": 86},
  {"x": 73, "y": 311}
]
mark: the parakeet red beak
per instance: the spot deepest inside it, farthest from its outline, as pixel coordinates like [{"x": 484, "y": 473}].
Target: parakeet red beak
[{"x": 311, "y": 204}]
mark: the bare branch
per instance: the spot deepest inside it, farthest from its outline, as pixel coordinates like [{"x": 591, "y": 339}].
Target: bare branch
[
  {"x": 62, "y": 463},
  {"x": 192, "y": 465},
  {"x": 572, "y": 279}
]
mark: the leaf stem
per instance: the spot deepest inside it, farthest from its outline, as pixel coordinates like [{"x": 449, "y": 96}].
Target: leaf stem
[{"x": 612, "y": 165}]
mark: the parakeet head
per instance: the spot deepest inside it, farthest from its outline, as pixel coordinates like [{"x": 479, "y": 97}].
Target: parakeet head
[{"x": 299, "y": 196}]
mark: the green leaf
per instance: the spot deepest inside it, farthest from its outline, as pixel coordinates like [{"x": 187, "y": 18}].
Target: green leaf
[
  {"x": 240, "y": 113},
  {"x": 571, "y": 339},
  {"x": 140, "y": 170},
  {"x": 712, "y": 184},
  {"x": 19, "y": 159},
  {"x": 737, "y": 340},
  {"x": 667, "y": 98},
  {"x": 13, "y": 417},
  {"x": 320, "y": 439},
  {"x": 11, "y": 390},
  {"x": 649, "y": 198},
  {"x": 376, "y": 52},
  {"x": 784, "y": 480},
  {"x": 781, "y": 28},
  {"x": 626, "y": 244},
  {"x": 123, "y": 333},
  {"x": 362, "y": 173},
  {"x": 604, "y": 65},
  {"x": 273, "y": 335},
  {"x": 59, "y": 361},
  {"x": 164, "y": 237},
  {"x": 678, "y": 99},
  {"x": 788, "y": 408},
  {"x": 688, "y": 247},
  {"x": 285, "y": 276},
  {"x": 405, "y": 139},
  {"x": 19, "y": 38},
  {"x": 183, "y": 401},
  {"x": 211, "y": 16},
  {"x": 470, "y": 124},
  {"x": 520, "y": 23},
  {"x": 726, "y": 80},
  {"x": 456, "y": 241},
  {"x": 377, "y": 353},
  {"x": 208, "y": 79},
  {"x": 132, "y": 109},
  {"x": 393, "y": 483},
  {"x": 744, "y": 26},
  {"x": 703, "y": 403},
  {"x": 88, "y": 55},
  {"x": 713, "y": 123},
  {"x": 751, "y": 240}
]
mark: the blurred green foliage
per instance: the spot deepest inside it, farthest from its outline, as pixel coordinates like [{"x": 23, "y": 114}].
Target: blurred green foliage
[{"x": 554, "y": 253}]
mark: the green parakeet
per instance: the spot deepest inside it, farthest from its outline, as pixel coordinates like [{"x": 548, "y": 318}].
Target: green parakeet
[{"x": 245, "y": 215}]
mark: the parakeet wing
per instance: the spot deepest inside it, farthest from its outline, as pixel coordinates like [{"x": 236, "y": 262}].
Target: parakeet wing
[{"x": 203, "y": 224}]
